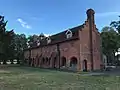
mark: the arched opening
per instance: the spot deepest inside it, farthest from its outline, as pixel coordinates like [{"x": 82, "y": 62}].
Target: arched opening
[
  {"x": 33, "y": 62},
  {"x": 63, "y": 61},
  {"x": 54, "y": 62},
  {"x": 85, "y": 65},
  {"x": 25, "y": 61},
  {"x": 47, "y": 60},
  {"x": 30, "y": 61},
  {"x": 73, "y": 63},
  {"x": 38, "y": 61},
  {"x": 43, "y": 61}
]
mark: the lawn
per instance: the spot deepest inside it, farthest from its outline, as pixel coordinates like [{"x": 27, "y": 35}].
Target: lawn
[{"x": 28, "y": 78}]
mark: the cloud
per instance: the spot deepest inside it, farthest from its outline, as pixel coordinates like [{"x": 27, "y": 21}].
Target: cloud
[
  {"x": 106, "y": 14},
  {"x": 23, "y": 23}
]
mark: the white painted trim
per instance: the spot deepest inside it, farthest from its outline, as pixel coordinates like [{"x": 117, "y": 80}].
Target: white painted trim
[{"x": 69, "y": 34}]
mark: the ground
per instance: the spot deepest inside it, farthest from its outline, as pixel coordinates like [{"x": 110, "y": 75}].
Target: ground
[{"x": 28, "y": 78}]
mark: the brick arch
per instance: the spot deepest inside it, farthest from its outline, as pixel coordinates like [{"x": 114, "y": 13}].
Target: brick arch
[
  {"x": 47, "y": 61},
  {"x": 40, "y": 60},
  {"x": 63, "y": 61},
  {"x": 33, "y": 62},
  {"x": 36, "y": 60},
  {"x": 74, "y": 60},
  {"x": 30, "y": 61},
  {"x": 54, "y": 61},
  {"x": 43, "y": 61},
  {"x": 73, "y": 63},
  {"x": 85, "y": 65}
]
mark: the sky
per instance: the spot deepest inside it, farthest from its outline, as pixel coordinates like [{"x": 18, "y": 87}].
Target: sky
[{"x": 53, "y": 16}]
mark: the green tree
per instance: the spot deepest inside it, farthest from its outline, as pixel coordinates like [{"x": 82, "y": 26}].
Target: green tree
[
  {"x": 33, "y": 39},
  {"x": 110, "y": 42},
  {"x": 20, "y": 43},
  {"x": 116, "y": 25},
  {"x": 5, "y": 40}
]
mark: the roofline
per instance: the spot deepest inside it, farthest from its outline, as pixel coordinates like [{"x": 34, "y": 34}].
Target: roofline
[
  {"x": 79, "y": 26},
  {"x": 51, "y": 44}
]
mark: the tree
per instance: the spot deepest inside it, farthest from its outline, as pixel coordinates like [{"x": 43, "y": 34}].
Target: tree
[
  {"x": 20, "y": 42},
  {"x": 5, "y": 39},
  {"x": 110, "y": 42},
  {"x": 116, "y": 25},
  {"x": 33, "y": 39}
]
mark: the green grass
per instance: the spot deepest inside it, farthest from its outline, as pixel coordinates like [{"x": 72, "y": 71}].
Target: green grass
[{"x": 27, "y": 78}]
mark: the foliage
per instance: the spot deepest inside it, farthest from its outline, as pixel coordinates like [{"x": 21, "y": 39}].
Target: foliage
[
  {"x": 116, "y": 25},
  {"x": 12, "y": 45},
  {"x": 110, "y": 42},
  {"x": 20, "y": 43},
  {"x": 34, "y": 39},
  {"x": 5, "y": 40}
]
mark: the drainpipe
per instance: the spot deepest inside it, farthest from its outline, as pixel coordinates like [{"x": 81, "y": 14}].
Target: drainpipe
[
  {"x": 58, "y": 50},
  {"x": 29, "y": 56}
]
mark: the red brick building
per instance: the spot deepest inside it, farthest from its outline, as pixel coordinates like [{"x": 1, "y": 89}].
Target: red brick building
[{"x": 77, "y": 48}]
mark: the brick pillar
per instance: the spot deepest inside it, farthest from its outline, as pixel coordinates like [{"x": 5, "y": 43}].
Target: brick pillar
[{"x": 90, "y": 18}]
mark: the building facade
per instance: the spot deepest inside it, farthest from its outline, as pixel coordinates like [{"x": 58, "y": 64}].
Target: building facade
[{"x": 77, "y": 48}]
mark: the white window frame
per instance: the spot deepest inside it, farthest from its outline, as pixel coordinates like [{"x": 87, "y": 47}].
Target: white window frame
[
  {"x": 38, "y": 43},
  {"x": 48, "y": 40},
  {"x": 69, "y": 34}
]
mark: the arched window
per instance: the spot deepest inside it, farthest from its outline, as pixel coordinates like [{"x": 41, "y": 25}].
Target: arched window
[
  {"x": 28, "y": 45},
  {"x": 38, "y": 43},
  {"x": 68, "y": 33},
  {"x": 48, "y": 40}
]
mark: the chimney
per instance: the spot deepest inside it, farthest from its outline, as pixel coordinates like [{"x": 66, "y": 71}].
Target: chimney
[
  {"x": 90, "y": 19},
  {"x": 90, "y": 15}
]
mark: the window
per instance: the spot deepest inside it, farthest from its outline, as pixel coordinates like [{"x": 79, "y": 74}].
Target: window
[
  {"x": 28, "y": 45},
  {"x": 68, "y": 34},
  {"x": 38, "y": 43},
  {"x": 48, "y": 40}
]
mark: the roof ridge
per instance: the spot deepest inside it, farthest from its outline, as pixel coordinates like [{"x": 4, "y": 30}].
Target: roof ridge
[{"x": 79, "y": 26}]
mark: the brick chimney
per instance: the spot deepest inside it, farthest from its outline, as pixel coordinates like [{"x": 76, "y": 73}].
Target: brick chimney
[
  {"x": 90, "y": 15},
  {"x": 90, "y": 19}
]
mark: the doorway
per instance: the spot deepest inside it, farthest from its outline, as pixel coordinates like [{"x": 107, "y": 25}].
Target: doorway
[{"x": 85, "y": 65}]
